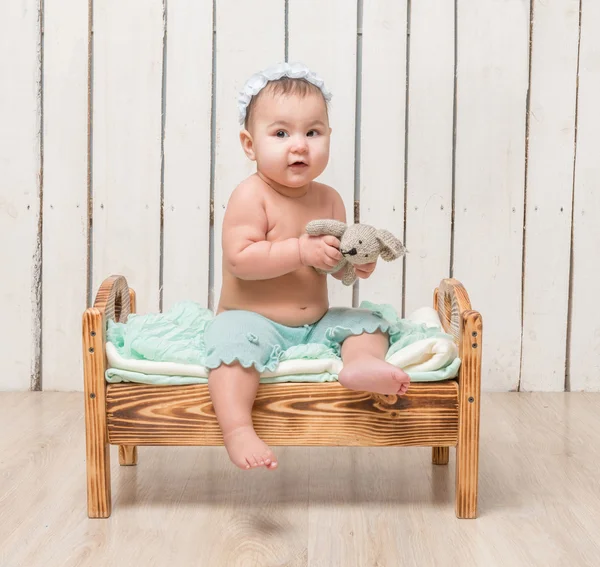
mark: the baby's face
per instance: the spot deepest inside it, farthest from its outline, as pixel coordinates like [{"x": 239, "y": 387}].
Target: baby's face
[{"x": 291, "y": 137}]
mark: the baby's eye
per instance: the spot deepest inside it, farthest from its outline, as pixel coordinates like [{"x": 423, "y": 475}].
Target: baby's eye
[
  {"x": 312, "y": 133},
  {"x": 281, "y": 133}
]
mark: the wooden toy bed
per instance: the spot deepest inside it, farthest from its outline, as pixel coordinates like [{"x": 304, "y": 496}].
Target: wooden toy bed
[{"x": 432, "y": 414}]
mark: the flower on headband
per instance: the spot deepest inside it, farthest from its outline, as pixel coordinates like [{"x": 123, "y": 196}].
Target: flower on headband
[{"x": 259, "y": 80}]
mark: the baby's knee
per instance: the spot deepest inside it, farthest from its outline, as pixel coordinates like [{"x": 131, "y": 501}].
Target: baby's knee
[{"x": 232, "y": 369}]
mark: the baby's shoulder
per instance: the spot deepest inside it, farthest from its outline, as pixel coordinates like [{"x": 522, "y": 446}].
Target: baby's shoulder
[
  {"x": 326, "y": 191},
  {"x": 329, "y": 196},
  {"x": 248, "y": 190}
]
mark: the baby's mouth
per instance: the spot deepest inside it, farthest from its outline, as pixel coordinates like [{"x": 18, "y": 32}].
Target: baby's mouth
[{"x": 298, "y": 164}]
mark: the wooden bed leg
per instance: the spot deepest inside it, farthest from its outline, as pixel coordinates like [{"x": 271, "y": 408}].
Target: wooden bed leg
[
  {"x": 467, "y": 449},
  {"x": 128, "y": 455},
  {"x": 96, "y": 435},
  {"x": 440, "y": 455}
]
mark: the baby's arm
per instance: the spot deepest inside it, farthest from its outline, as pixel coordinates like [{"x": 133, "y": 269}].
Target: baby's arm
[
  {"x": 246, "y": 252},
  {"x": 249, "y": 256}
]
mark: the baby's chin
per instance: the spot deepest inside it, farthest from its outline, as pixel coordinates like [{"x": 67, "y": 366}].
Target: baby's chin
[
  {"x": 293, "y": 181},
  {"x": 300, "y": 179},
  {"x": 296, "y": 183}
]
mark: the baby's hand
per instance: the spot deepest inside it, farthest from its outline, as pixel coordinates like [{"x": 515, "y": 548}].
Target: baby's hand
[
  {"x": 319, "y": 251},
  {"x": 363, "y": 271}
]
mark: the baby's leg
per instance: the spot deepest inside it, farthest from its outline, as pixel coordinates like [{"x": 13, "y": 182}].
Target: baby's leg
[
  {"x": 233, "y": 389},
  {"x": 365, "y": 368},
  {"x": 240, "y": 336}
]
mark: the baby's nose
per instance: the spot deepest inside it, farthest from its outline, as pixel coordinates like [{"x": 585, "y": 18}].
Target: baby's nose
[{"x": 300, "y": 145}]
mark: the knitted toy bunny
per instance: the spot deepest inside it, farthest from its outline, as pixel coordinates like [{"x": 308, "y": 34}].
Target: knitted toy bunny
[{"x": 359, "y": 244}]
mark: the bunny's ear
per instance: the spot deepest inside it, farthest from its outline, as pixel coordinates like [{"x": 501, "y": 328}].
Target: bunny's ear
[
  {"x": 391, "y": 247},
  {"x": 326, "y": 226}
]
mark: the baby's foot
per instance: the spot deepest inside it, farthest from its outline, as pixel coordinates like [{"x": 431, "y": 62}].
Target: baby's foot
[
  {"x": 247, "y": 450},
  {"x": 371, "y": 374}
]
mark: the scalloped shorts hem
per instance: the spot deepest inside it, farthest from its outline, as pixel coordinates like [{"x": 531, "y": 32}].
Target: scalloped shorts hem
[{"x": 252, "y": 340}]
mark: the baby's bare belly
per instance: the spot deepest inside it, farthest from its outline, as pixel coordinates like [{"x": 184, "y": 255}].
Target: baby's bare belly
[{"x": 296, "y": 299}]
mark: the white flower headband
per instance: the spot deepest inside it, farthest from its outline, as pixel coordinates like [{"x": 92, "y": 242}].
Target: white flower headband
[{"x": 259, "y": 80}]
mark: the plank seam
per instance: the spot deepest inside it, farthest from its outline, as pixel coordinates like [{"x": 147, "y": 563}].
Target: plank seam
[
  {"x": 213, "y": 137},
  {"x": 454, "y": 122},
  {"x": 567, "y": 387},
  {"x": 90, "y": 164},
  {"x": 406, "y": 117},
  {"x": 524, "y": 243},
  {"x": 163, "y": 121},
  {"x": 357, "y": 131},
  {"x": 38, "y": 261},
  {"x": 286, "y": 18}
]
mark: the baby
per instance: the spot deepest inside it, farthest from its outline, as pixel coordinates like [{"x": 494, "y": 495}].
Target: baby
[{"x": 272, "y": 297}]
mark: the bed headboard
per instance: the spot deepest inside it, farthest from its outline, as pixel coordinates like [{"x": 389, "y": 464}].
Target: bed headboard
[
  {"x": 451, "y": 300},
  {"x": 114, "y": 298}
]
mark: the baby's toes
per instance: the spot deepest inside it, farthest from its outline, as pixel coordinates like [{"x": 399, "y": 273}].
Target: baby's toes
[
  {"x": 251, "y": 460},
  {"x": 400, "y": 376},
  {"x": 402, "y": 379},
  {"x": 269, "y": 459}
]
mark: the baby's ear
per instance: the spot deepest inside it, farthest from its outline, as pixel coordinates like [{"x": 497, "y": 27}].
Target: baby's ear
[
  {"x": 247, "y": 144},
  {"x": 391, "y": 247},
  {"x": 326, "y": 226}
]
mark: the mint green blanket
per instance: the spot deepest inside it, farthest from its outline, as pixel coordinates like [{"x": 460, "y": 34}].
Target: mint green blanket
[{"x": 168, "y": 348}]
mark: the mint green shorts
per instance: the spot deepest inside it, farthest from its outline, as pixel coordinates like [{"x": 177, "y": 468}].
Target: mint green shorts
[{"x": 253, "y": 340}]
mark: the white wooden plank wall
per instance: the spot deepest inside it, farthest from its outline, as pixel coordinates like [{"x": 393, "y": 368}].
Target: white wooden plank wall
[
  {"x": 492, "y": 68},
  {"x": 187, "y": 156},
  {"x": 127, "y": 108},
  {"x": 430, "y": 133},
  {"x": 549, "y": 193},
  {"x": 323, "y": 36},
  {"x": 584, "y": 355},
  {"x": 20, "y": 178},
  {"x": 456, "y": 167},
  {"x": 383, "y": 103},
  {"x": 65, "y": 231}
]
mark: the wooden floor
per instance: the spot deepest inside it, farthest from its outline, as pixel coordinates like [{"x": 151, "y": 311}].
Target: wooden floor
[{"x": 539, "y": 497}]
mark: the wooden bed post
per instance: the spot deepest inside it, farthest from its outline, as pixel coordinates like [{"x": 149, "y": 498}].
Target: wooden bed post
[
  {"x": 465, "y": 325},
  {"x": 469, "y": 394},
  {"x": 96, "y": 434},
  {"x": 439, "y": 455},
  {"x": 128, "y": 454},
  {"x": 112, "y": 302}
]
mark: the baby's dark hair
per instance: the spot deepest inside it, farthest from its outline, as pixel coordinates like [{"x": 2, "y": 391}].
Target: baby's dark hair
[{"x": 285, "y": 86}]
